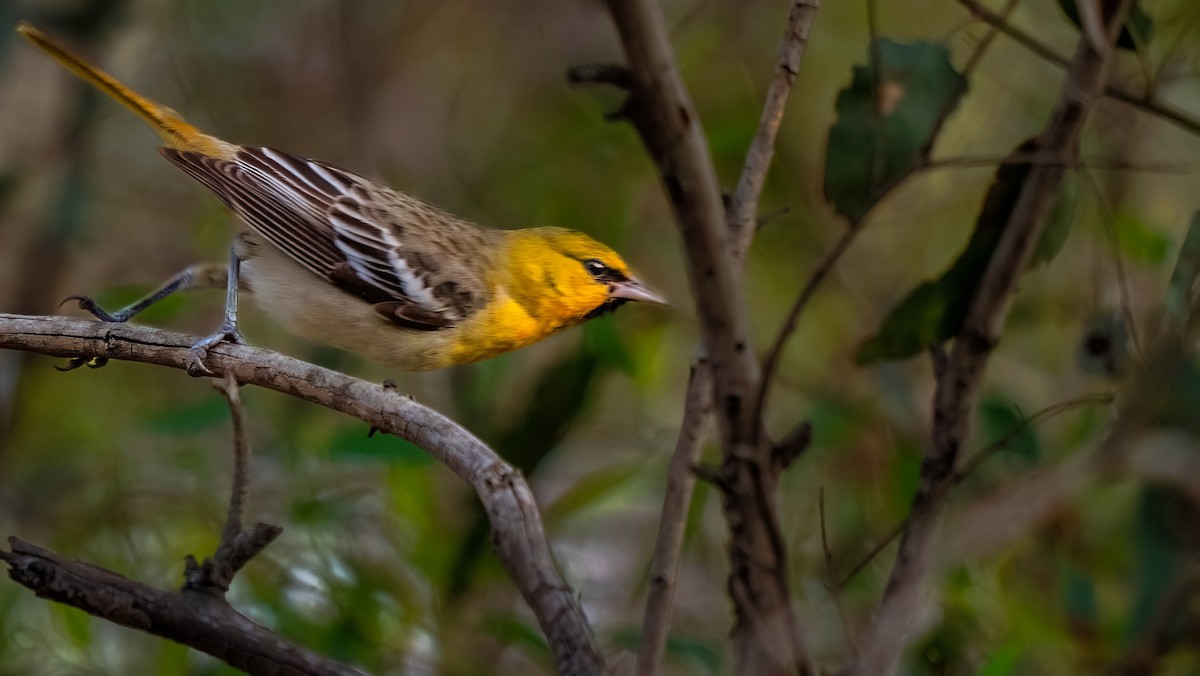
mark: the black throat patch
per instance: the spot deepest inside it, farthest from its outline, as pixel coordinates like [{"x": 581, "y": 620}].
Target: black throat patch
[{"x": 605, "y": 308}]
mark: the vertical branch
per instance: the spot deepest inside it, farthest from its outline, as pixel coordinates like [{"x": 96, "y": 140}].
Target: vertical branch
[
  {"x": 958, "y": 385},
  {"x": 740, "y": 216},
  {"x": 237, "y": 546},
  {"x": 241, "y": 461},
  {"x": 742, "y": 211},
  {"x": 663, "y": 113},
  {"x": 681, "y": 481},
  {"x": 765, "y": 635}
]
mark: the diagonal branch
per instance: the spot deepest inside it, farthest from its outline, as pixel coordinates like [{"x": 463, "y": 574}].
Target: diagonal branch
[
  {"x": 1148, "y": 103},
  {"x": 958, "y": 383},
  {"x": 742, "y": 210},
  {"x": 517, "y": 533},
  {"x": 201, "y": 620}
]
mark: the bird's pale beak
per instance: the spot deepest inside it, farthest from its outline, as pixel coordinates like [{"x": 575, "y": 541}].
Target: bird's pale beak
[{"x": 632, "y": 289}]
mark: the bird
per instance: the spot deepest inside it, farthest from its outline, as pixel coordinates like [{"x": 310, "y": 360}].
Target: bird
[{"x": 342, "y": 260}]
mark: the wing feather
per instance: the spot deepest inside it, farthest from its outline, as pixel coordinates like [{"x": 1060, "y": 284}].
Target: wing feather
[{"x": 336, "y": 224}]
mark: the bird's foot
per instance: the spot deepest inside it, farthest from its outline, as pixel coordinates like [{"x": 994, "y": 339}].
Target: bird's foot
[
  {"x": 228, "y": 334},
  {"x": 90, "y": 362},
  {"x": 88, "y": 304}
]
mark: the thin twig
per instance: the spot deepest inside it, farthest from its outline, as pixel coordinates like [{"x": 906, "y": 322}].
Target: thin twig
[
  {"x": 987, "y": 39},
  {"x": 877, "y": 94},
  {"x": 1110, "y": 230},
  {"x": 677, "y": 499},
  {"x": 743, "y": 205},
  {"x": 1041, "y": 159},
  {"x": 1091, "y": 25},
  {"x": 241, "y": 461},
  {"x": 835, "y": 590},
  {"x": 236, "y": 546},
  {"x": 1118, "y": 92},
  {"x": 775, "y": 354},
  {"x": 971, "y": 465}
]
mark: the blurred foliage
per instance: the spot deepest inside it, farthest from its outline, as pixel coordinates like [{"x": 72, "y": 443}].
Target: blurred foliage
[
  {"x": 384, "y": 561},
  {"x": 887, "y": 120},
  {"x": 934, "y": 312}
]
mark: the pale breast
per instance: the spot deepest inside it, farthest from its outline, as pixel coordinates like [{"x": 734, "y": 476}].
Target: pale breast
[{"x": 312, "y": 308}]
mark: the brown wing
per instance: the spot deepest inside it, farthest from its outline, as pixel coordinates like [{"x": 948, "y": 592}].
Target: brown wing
[{"x": 367, "y": 239}]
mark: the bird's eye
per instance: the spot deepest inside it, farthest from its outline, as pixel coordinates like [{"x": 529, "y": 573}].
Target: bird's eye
[{"x": 594, "y": 267}]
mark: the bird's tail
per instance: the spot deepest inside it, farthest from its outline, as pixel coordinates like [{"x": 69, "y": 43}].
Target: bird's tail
[{"x": 171, "y": 127}]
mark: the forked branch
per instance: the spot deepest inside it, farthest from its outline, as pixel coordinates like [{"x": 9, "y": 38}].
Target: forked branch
[{"x": 518, "y": 535}]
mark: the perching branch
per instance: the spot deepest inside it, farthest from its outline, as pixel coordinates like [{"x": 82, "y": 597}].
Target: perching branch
[
  {"x": 958, "y": 385},
  {"x": 517, "y": 533}
]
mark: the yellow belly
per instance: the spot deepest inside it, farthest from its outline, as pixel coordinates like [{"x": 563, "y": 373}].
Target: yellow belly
[
  {"x": 501, "y": 327},
  {"x": 312, "y": 308}
]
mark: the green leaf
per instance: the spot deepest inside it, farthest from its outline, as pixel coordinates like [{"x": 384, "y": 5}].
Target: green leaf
[
  {"x": 1079, "y": 597},
  {"x": 1058, "y": 222},
  {"x": 1003, "y": 660},
  {"x": 916, "y": 323},
  {"x": 1140, "y": 242},
  {"x": 934, "y": 311},
  {"x": 1171, "y": 393},
  {"x": 1001, "y": 419},
  {"x": 878, "y": 140},
  {"x": 1182, "y": 287},
  {"x": 8, "y": 185},
  {"x": 695, "y": 651},
  {"x": 511, "y": 630},
  {"x": 590, "y": 490},
  {"x": 1138, "y": 28},
  {"x": 353, "y": 445},
  {"x": 1167, "y": 541},
  {"x": 562, "y": 397}
]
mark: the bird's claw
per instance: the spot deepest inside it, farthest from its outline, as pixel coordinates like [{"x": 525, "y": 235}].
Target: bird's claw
[
  {"x": 228, "y": 334},
  {"x": 90, "y": 362},
  {"x": 88, "y": 304}
]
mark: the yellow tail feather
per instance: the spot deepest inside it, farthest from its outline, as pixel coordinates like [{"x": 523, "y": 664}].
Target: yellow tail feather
[{"x": 170, "y": 126}]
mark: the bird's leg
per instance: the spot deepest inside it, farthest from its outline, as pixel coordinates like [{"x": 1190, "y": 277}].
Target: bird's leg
[
  {"x": 205, "y": 276},
  {"x": 229, "y": 328}
]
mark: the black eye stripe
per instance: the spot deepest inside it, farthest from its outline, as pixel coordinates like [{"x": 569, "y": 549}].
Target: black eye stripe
[{"x": 601, "y": 272}]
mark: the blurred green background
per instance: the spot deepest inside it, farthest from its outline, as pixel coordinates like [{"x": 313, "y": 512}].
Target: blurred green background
[{"x": 384, "y": 562}]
